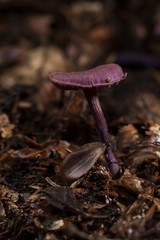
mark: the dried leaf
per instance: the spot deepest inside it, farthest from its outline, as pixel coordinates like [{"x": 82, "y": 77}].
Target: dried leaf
[
  {"x": 26, "y": 153},
  {"x": 154, "y": 133},
  {"x": 61, "y": 198},
  {"x": 46, "y": 94},
  {"x": 127, "y": 136},
  {"x": 147, "y": 107},
  {"x": 80, "y": 161},
  {"x": 49, "y": 223},
  {"x": 39, "y": 59},
  {"x": 128, "y": 185},
  {"x": 146, "y": 154},
  {"x": 5, "y": 126}
]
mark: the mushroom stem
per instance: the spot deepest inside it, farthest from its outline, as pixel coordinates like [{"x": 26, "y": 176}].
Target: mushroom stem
[{"x": 102, "y": 128}]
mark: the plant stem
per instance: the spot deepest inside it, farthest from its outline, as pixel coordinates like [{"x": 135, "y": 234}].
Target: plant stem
[{"x": 102, "y": 128}]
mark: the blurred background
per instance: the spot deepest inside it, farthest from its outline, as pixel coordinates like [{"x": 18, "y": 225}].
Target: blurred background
[
  {"x": 39, "y": 37},
  {"x": 40, "y": 124}
]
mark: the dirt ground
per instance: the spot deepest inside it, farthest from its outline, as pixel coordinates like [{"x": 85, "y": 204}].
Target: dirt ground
[{"x": 41, "y": 125}]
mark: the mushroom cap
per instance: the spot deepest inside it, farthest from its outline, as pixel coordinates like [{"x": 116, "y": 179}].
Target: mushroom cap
[{"x": 104, "y": 75}]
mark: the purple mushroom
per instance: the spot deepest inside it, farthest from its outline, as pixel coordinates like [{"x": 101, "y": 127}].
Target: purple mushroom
[{"x": 88, "y": 81}]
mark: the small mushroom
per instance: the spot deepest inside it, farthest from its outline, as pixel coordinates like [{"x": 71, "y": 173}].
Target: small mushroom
[{"x": 88, "y": 81}]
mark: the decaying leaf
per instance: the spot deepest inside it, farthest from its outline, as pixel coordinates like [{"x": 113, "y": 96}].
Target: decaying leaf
[
  {"x": 46, "y": 93},
  {"x": 148, "y": 107},
  {"x": 154, "y": 133},
  {"x": 147, "y": 154},
  {"x": 128, "y": 185},
  {"x": 61, "y": 197},
  {"x": 5, "y": 126},
  {"x": 80, "y": 161},
  {"x": 26, "y": 72},
  {"x": 127, "y": 136},
  {"x": 26, "y": 153},
  {"x": 49, "y": 223},
  {"x": 33, "y": 149}
]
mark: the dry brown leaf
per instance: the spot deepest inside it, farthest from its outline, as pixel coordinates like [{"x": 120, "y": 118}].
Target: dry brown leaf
[
  {"x": 47, "y": 92},
  {"x": 148, "y": 107},
  {"x": 128, "y": 185},
  {"x": 5, "y": 126},
  {"x": 49, "y": 223},
  {"x": 61, "y": 197},
  {"x": 127, "y": 136},
  {"x": 147, "y": 154},
  {"x": 154, "y": 133},
  {"x": 38, "y": 64},
  {"x": 26, "y": 153}
]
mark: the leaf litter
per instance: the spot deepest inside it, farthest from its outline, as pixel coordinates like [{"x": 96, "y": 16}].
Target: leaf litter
[{"x": 123, "y": 205}]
